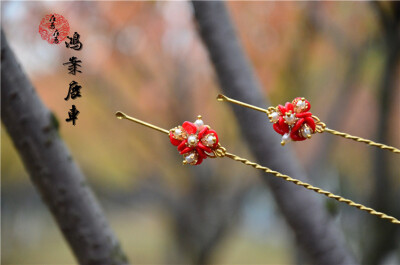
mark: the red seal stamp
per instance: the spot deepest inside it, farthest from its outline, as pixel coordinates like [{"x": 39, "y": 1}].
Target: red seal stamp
[{"x": 53, "y": 28}]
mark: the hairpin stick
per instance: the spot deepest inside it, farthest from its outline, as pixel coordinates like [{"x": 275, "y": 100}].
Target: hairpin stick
[
  {"x": 221, "y": 98},
  {"x": 294, "y": 122},
  {"x": 120, "y": 115},
  {"x": 197, "y": 141}
]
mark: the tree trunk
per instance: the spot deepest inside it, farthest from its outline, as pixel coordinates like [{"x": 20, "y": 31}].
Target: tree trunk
[
  {"x": 383, "y": 237},
  {"x": 61, "y": 184},
  {"x": 315, "y": 233}
]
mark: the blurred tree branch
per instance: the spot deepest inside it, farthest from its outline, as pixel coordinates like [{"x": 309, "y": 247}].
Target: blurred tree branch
[
  {"x": 315, "y": 232},
  {"x": 201, "y": 217},
  {"x": 60, "y": 182},
  {"x": 203, "y": 214},
  {"x": 342, "y": 98},
  {"x": 383, "y": 237}
]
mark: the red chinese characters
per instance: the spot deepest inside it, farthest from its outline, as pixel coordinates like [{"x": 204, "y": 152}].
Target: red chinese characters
[
  {"x": 293, "y": 121},
  {"x": 195, "y": 141}
]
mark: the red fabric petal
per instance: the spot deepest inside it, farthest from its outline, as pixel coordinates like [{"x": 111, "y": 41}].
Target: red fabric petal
[
  {"x": 182, "y": 145},
  {"x": 303, "y": 114},
  {"x": 201, "y": 153},
  {"x": 205, "y": 148},
  {"x": 202, "y": 132},
  {"x": 279, "y": 130},
  {"x": 187, "y": 149},
  {"x": 282, "y": 109},
  {"x": 282, "y": 124},
  {"x": 310, "y": 121},
  {"x": 298, "y": 124},
  {"x": 289, "y": 106},
  {"x": 189, "y": 127},
  {"x": 295, "y": 136},
  {"x": 199, "y": 160},
  {"x": 174, "y": 141}
]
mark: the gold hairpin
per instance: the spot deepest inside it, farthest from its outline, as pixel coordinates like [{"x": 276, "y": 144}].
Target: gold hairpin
[
  {"x": 294, "y": 122},
  {"x": 197, "y": 141}
]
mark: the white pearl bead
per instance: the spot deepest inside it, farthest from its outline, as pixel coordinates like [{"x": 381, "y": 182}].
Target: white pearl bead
[
  {"x": 285, "y": 138},
  {"x": 192, "y": 140},
  {"x": 301, "y": 104},
  {"x": 177, "y": 132},
  {"x": 306, "y": 132},
  {"x": 274, "y": 117},
  {"x": 190, "y": 158},
  {"x": 199, "y": 123},
  {"x": 290, "y": 119},
  {"x": 210, "y": 140}
]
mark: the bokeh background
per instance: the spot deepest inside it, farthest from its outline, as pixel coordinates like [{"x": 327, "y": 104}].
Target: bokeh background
[{"x": 146, "y": 59}]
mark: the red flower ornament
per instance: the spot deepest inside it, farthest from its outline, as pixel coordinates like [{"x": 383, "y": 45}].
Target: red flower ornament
[
  {"x": 195, "y": 141},
  {"x": 293, "y": 121}
]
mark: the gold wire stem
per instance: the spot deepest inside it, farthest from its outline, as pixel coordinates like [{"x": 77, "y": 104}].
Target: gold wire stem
[
  {"x": 362, "y": 140},
  {"x": 120, "y": 115},
  {"x": 221, "y": 98},
  {"x": 310, "y": 187}
]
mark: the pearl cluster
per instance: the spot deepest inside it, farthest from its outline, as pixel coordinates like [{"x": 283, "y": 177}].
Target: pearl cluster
[
  {"x": 195, "y": 141},
  {"x": 290, "y": 118},
  {"x": 199, "y": 123},
  {"x": 274, "y": 117},
  {"x": 306, "y": 131},
  {"x": 292, "y": 121},
  {"x": 300, "y": 105},
  {"x": 285, "y": 138},
  {"x": 209, "y": 141},
  {"x": 190, "y": 158},
  {"x": 192, "y": 140},
  {"x": 179, "y": 133}
]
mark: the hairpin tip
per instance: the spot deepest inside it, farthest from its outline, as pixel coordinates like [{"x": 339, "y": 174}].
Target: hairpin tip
[
  {"x": 221, "y": 97},
  {"x": 120, "y": 115}
]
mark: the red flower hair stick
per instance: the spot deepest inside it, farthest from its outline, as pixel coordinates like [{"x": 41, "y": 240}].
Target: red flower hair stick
[
  {"x": 295, "y": 122},
  {"x": 197, "y": 141}
]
